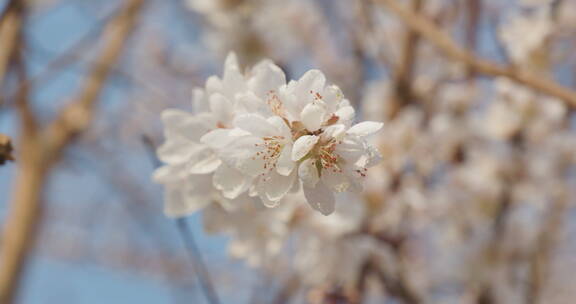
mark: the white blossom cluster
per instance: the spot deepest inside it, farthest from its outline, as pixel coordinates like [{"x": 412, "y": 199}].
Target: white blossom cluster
[
  {"x": 295, "y": 238},
  {"x": 453, "y": 156},
  {"x": 256, "y": 134}
]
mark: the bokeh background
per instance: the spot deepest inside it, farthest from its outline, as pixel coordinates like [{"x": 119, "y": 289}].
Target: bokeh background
[{"x": 100, "y": 235}]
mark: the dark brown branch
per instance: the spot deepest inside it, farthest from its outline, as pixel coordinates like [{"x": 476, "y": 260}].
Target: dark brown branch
[{"x": 5, "y": 149}]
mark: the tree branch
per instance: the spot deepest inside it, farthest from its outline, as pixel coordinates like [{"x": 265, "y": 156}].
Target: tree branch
[
  {"x": 5, "y": 149},
  {"x": 76, "y": 116},
  {"x": 448, "y": 46},
  {"x": 39, "y": 150},
  {"x": 10, "y": 25},
  {"x": 198, "y": 262},
  {"x": 404, "y": 71}
]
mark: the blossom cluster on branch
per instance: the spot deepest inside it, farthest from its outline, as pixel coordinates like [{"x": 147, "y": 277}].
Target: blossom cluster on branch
[
  {"x": 474, "y": 168},
  {"x": 254, "y": 133}
]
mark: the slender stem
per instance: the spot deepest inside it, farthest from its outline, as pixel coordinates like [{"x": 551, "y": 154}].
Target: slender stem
[
  {"x": 187, "y": 238},
  {"x": 197, "y": 261}
]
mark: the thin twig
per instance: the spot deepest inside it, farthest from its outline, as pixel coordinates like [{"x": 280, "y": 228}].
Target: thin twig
[
  {"x": 187, "y": 238},
  {"x": 446, "y": 44},
  {"x": 197, "y": 261}
]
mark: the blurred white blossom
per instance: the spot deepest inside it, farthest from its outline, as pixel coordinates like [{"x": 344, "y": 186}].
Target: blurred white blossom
[{"x": 521, "y": 47}]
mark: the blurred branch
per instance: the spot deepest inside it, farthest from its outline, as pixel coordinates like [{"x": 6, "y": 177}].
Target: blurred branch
[
  {"x": 39, "y": 150},
  {"x": 394, "y": 284},
  {"x": 5, "y": 149},
  {"x": 473, "y": 18},
  {"x": 397, "y": 283},
  {"x": 547, "y": 239},
  {"x": 66, "y": 58},
  {"x": 493, "y": 253},
  {"x": 117, "y": 256},
  {"x": 448, "y": 46},
  {"x": 288, "y": 290},
  {"x": 76, "y": 116},
  {"x": 188, "y": 239},
  {"x": 197, "y": 261},
  {"x": 10, "y": 25},
  {"x": 404, "y": 71}
]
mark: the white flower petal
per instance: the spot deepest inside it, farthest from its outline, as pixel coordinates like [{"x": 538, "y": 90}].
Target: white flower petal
[
  {"x": 308, "y": 172},
  {"x": 199, "y": 100},
  {"x": 247, "y": 102},
  {"x": 334, "y": 131},
  {"x": 231, "y": 62},
  {"x": 332, "y": 97},
  {"x": 365, "y": 128},
  {"x": 267, "y": 202},
  {"x": 296, "y": 187},
  {"x": 233, "y": 80},
  {"x": 320, "y": 198},
  {"x": 290, "y": 105},
  {"x": 177, "y": 150},
  {"x": 266, "y": 77},
  {"x": 230, "y": 181},
  {"x": 337, "y": 181},
  {"x": 168, "y": 174},
  {"x": 252, "y": 192},
  {"x": 302, "y": 146},
  {"x": 186, "y": 124},
  {"x": 374, "y": 157},
  {"x": 285, "y": 164},
  {"x": 276, "y": 186},
  {"x": 345, "y": 115},
  {"x": 281, "y": 126},
  {"x": 353, "y": 149},
  {"x": 203, "y": 161},
  {"x": 221, "y": 108},
  {"x": 305, "y": 88},
  {"x": 241, "y": 154},
  {"x": 220, "y": 138},
  {"x": 313, "y": 80},
  {"x": 255, "y": 124},
  {"x": 312, "y": 116},
  {"x": 213, "y": 85},
  {"x": 182, "y": 200}
]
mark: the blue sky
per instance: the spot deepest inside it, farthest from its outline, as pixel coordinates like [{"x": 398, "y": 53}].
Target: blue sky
[{"x": 51, "y": 280}]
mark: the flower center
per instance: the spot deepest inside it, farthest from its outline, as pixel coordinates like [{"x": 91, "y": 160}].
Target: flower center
[
  {"x": 270, "y": 151},
  {"x": 328, "y": 158},
  {"x": 275, "y": 104}
]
